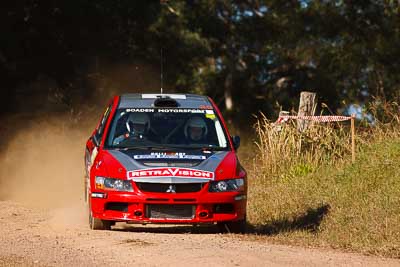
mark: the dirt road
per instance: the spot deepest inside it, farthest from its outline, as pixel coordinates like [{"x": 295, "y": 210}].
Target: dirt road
[
  {"x": 60, "y": 237},
  {"x": 43, "y": 220}
]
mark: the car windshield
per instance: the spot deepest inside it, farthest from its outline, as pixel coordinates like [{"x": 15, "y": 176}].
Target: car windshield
[{"x": 166, "y": 128}]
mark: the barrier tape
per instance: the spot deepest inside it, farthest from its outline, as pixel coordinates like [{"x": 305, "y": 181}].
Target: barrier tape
[{"x": 282, "y": 119}]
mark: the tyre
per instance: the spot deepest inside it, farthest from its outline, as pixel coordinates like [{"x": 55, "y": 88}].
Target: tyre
[
  {"x": 97, "y": 224},
  {"x": 86, "y": 189},
  {"x": 235, "y": 227}
]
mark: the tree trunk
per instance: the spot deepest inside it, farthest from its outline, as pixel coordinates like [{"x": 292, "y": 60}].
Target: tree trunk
[
  {"x": 307, "y": 107},
  {"x": 228, "y": 92}
]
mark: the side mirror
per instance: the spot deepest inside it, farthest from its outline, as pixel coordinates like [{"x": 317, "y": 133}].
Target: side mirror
[{"x": 236, "y": 142}]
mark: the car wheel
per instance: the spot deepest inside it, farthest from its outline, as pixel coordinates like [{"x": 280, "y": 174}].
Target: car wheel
[
  {"x": 235, "y": 227},
  {"x": 86, "y": 191},
  {"x": 97, "y": 224}
]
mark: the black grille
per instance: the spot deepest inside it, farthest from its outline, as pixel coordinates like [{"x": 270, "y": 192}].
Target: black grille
[
  {"x": 117, "y": 206},
  {"x": 170, "y": 211},
  {"x": 180, "y": 163},
  {"x": 224, "y": 208},
  {"x": 170, "y": 188}
]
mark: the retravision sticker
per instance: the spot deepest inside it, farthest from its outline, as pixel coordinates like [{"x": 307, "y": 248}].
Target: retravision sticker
[{"x": 170, "y": 172}]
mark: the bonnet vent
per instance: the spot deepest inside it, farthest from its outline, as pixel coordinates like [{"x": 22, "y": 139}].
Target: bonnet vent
[{"x": 165, "y": 102}]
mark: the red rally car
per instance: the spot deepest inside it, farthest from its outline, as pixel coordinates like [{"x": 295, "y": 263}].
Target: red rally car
[{"x": 164, "y": 158}]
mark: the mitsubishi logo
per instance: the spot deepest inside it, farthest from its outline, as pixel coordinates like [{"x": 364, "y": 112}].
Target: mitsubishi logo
[{"x": 171, "y": 189}]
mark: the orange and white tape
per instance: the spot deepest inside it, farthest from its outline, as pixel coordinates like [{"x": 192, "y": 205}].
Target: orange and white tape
[{"x": 282, "y": 119}]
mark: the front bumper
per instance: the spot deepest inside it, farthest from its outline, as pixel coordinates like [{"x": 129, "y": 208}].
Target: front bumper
[{"x": 205, "y": 207}]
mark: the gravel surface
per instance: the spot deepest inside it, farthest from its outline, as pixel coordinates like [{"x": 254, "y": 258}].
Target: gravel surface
[
  {"x": 43, "y": 219},
  {"x": 32, "y": 236}
]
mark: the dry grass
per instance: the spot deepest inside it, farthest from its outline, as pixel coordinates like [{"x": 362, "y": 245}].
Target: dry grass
[
  {"x": 304, "y": 189},
  {"x": 282, "y": 146}
]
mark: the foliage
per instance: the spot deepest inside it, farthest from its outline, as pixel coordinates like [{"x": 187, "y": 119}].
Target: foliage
[
  {"x": 282, "y": 147},
  {"x": 261, "y": 53}
]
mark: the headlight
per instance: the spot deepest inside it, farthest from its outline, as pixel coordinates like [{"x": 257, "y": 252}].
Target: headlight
[
  {"x": 227, "y": 185},
  {"x": 113, "y": 184}
]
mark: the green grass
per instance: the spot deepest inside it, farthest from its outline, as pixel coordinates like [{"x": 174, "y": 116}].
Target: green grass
[{"x": 322, "y": 199}]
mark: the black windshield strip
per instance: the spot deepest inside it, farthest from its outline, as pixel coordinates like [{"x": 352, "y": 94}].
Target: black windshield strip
[
  {"x": 169, "y": 148},
  {"x": 207, "y": 113}
]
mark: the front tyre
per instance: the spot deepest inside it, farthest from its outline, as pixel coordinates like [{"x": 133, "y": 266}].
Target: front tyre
[{"x": 97, "y": 224}]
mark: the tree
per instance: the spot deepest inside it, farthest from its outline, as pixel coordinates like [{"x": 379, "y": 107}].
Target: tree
[{"x": 249, "y": 55}]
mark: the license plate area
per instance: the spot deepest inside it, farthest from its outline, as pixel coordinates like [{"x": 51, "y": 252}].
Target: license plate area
[{"x": 164, "y": 211}]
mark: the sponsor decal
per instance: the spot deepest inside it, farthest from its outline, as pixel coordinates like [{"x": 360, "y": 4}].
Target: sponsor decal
[
  {"x": 205, "y": 107},
  {"x": 151, "y": 110},
  {"x": 210, "y": 116},
  {"x": 168, "y": 110},
  {"x": 170, "y": 172},
  {"x": 180, "y": 110},
  {"x": 169, "y": 155}
]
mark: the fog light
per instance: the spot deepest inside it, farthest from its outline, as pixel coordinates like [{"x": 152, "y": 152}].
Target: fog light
[
  {"x": 203, "y": 214},
  {"x": 138, "y": 213}
]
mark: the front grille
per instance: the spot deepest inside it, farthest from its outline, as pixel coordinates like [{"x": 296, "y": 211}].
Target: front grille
[
  {"x": 170, "y": 188},
  {"x": 170, "y": 211},
  {"x": 117, "y": 206}
]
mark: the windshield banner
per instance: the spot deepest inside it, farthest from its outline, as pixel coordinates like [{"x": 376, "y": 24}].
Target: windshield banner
[{"x": 170, "y": 110}]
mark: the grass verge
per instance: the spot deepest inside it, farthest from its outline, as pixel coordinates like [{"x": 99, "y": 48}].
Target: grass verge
[{"x": 314, "y": 196}]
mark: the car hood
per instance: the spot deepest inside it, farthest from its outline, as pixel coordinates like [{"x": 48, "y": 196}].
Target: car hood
[{"x": 169, "y": 167}]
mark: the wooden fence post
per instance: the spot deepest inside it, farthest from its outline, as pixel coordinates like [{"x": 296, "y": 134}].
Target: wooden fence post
[
  {"x": 307, "y": 107},
  {"x": 353, "y": 139}
]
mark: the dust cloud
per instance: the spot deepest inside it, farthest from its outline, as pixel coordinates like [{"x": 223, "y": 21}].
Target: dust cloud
[
  {"x": 42, "y": 152},
  {"x": 42, "y": 164},
  {"x": 42, "y": 145}
]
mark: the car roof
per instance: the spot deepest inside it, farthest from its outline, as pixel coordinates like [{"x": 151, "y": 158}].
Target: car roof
[{"x": 147, "y": 100}]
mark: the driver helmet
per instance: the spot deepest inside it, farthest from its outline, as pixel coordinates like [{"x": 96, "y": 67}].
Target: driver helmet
[
  {"x": 195, "y": 129},
  {"x": 138, "y": 123}
]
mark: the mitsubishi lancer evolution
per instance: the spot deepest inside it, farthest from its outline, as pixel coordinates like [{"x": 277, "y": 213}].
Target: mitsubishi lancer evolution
[{"x": 164, "y": 158}]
